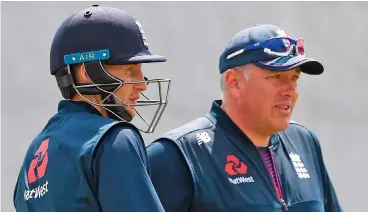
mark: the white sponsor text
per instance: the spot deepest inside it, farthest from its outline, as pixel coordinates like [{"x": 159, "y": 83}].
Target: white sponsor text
[
  {"x": 35, "y": 193},
  {"x": 239, "y": 180}
]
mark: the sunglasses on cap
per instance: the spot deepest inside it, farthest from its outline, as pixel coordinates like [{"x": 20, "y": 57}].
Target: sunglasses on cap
[{"x": 280, "y": 46}]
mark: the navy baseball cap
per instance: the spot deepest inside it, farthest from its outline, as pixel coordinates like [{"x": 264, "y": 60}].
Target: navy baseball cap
[
  {"x": 233, "y": 55},
  {"x": 101, "y": 28}
]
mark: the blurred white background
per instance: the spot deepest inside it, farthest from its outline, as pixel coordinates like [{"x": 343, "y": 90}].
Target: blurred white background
[{"x": 192, "y": 35}]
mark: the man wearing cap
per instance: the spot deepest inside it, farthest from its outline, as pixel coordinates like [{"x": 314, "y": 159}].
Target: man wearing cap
[
  {"x": 88, "y": 157},
  {"x": 245, "y": 154}
]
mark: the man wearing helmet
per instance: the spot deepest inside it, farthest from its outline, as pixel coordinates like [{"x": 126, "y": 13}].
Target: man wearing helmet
[{"x": 89, "y": 157}]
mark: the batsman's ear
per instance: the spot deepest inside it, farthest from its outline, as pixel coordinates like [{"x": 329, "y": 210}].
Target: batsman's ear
[{"x": 80, "y": 74}]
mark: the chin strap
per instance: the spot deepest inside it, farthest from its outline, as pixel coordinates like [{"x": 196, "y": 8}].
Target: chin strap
[
  {"x": 116, "y": 113},
  {"x": 107, "y": 82}
]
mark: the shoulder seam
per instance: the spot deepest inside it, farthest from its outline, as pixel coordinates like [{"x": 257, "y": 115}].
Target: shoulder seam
[
  {"x": 304, "y": 127},
  {"x": 212, "y": 124}
]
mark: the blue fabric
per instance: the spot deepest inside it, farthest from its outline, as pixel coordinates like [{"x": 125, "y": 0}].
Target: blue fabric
[
  {"x": 191, "y": 170},
  {"x": 121, "y": 167},
  {"x": 170, "y": 175},
  {"x": 84, "y": 162}
]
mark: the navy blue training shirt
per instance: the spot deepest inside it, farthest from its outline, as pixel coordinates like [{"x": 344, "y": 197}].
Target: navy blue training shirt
[
  {"x": 210, "y": 165},
  {"x": 82, "y": 161}
]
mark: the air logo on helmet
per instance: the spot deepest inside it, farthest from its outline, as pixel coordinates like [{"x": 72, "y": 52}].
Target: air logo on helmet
[
  {"x": 86, "y": 57},
  {"x": 142, "y": 33}
]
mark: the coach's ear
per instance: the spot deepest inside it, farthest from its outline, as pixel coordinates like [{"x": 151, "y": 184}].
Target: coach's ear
[{"x": 232, "y": 82}]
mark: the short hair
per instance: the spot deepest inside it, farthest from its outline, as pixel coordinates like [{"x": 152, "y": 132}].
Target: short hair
[{"x": 238, "y": 68}]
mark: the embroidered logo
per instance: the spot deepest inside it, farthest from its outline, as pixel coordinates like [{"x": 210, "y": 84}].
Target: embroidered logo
[
  {"x": 300, "y": 169},
  {"x": 36, "y": 171},
  {"x": 203, "y": 137},
  {"x": 38, "y": 166},
  {"x": 236, "y": 167},
  {"x": 142, "y": 33}
]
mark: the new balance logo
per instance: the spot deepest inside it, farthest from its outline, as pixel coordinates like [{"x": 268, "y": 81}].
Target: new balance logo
[
  {"x": 301, "y": 171},
  {"x": 203, "y": 137}
]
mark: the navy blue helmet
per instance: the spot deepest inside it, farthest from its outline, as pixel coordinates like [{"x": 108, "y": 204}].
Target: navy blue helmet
[{"x": 104, "y": 35}]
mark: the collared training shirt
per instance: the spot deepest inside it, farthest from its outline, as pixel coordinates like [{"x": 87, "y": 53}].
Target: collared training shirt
[
  {"x": 209, "y": 164},
  {"x": 84, "y": 162}
]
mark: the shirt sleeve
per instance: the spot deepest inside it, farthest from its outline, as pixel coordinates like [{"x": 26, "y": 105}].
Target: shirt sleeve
[
  {"x": 170, "y": 176},
  {"x": 331, "y": 200},
  {"x": 120, "y": 168}
]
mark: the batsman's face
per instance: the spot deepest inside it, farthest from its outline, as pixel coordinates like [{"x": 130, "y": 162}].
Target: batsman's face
[
  {"x": 268, "y": 98},
  {"x": 128, "y": 93}
]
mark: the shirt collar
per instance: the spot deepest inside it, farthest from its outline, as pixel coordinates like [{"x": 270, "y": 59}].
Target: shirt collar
[
  {"x": 231, "y": 128},
  {"x": 68, "y": 106}
]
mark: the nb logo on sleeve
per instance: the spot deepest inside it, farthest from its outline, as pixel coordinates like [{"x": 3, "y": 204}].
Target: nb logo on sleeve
[{"x": 203, "y": 137}]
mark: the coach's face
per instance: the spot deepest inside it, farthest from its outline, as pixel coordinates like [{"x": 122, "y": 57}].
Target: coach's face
[
  {"x": 268, "y": 98},
  {"x": 128, "y": 93}
]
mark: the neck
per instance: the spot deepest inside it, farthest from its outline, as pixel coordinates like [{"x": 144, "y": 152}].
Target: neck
[
  {"x": 92, "y": 98},
  {"x": 245, "y": 125}
]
